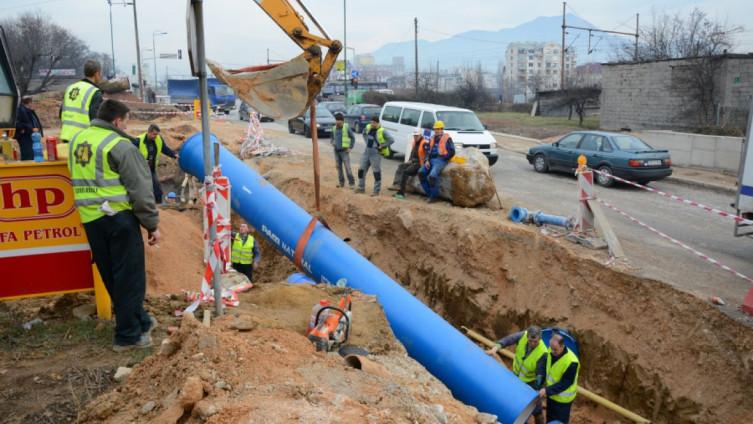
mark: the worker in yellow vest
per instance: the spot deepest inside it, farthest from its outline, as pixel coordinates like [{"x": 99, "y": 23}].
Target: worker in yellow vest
[
  {"x": 530, "y": 360},
  {"x": 562, "y": 369},
  {"x": 152, "y": 146},
  {"x": 245, "y": 252},
  {"x": 343, "y": 139},
  {"x": 81, "y": 102},
  {"x": 378, "y": 142},
  {"x": 111, "y": 188}
]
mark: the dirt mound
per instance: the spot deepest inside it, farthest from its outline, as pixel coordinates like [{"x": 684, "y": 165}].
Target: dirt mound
[
  {"x": 268, "y": 374},
  {"x": 48, "y": 111},
  {"x": 176, "y": 264}
]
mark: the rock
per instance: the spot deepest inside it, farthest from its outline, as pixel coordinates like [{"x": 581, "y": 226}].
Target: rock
[
  {"x": 439, "y": 414},
  {"x": 465, "y": 184},
  {"x": 122, "y": 373},
  {"x": 148, "y": 407},
  {"x": 172, "y": 330},
  {"x": 207, "y": 341},
  {"x": 169, "y": 347},
  {"x": 192, "y": 392},
  {"x": 232, "y": 279},
  {"x": 189, "y": 321},
  {"x": 205, "y": 409},
  {"x": 244, "y": 323},
  {"x": 84, "y": 312},
  {"x": 406, "y": 218},
  {"x": 484, "y": 418},
  {"x": 223, "y": 385}
]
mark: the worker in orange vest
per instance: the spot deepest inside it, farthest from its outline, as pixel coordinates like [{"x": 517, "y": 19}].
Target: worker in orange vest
[
  {"x": 438, "y": 153},
  {"x": 412, "y": 165}
]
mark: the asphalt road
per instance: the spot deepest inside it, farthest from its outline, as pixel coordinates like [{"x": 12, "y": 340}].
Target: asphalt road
[{"x": 651, "y": 255}]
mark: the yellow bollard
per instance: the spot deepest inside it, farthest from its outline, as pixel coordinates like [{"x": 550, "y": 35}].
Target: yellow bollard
[
  {"x": 101, "y": 297},
  {"x": 196, "y": 109}
]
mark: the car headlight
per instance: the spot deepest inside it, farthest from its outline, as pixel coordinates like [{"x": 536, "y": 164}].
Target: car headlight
[
  {"x": 493, "y": 145},
  {"x": 318, "y": 125}
]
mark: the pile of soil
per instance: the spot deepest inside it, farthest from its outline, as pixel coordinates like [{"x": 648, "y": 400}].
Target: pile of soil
[{"x": 272, "y": 373}]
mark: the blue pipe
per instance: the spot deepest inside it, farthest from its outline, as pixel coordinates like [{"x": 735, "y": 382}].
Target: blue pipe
[
  {"x": 541, "y": 218},
  {"x": 472, "y": 376},
  {"x": 518, "y": 214}
]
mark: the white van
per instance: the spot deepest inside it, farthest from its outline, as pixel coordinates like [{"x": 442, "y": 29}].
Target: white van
[{"x": 402, "y": 118}]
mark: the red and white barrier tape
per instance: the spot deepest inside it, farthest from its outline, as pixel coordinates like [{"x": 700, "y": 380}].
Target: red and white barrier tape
[
  {"x": 683, "y": 200},
  {"x": 677, "y": 242}
]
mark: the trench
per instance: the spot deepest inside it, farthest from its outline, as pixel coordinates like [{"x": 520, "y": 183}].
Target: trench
[{"x": 645, "y": 345}]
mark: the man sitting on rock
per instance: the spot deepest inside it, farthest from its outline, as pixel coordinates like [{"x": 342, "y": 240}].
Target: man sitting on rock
[{"x": 439, "y": 151}]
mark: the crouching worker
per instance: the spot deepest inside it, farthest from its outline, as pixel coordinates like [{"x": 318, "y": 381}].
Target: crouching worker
[{"x": 412, "y": 166}]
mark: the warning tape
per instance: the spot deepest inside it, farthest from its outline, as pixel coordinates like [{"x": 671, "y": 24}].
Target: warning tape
[
  {"x": 680, "y": 199},
  {"x": 677, "y": 242}
]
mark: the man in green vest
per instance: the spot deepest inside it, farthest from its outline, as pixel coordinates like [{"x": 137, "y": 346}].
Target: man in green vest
[
  {"x": 530, "y": 360},
  {"x": 81, "y": 102},
  {"x": 113, "y": 195},
  {"x": 562, "y": 369},
  {"x": 343, "y": 139},
  {"x": 245, "y": 252},
  {"x": 378, "y": 142},
  {"x": 152, "y": 146}
]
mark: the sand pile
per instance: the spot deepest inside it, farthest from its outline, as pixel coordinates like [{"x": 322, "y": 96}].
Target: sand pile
[{"x": 176, "y": 264}]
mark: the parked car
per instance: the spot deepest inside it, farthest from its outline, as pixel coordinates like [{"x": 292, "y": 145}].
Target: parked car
[
  {"x": 324, "y": 123},
  {"x": 402, "y": 118},
  {"x": 244, "y": 112},
  {"x": 358, "y": 116},
  {"x": 332, "y": 106},
  {"x": 622, "y": 155}
]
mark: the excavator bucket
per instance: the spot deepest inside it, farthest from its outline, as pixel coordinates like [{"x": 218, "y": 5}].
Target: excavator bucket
[{"x": 278, "y": 91}]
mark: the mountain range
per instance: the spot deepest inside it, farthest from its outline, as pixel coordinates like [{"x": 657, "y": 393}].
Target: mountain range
[{"x": 488, "y": 47}]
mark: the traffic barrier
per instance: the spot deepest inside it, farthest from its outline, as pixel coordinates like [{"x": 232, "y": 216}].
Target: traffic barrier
[{"x": 472, "y": 376}]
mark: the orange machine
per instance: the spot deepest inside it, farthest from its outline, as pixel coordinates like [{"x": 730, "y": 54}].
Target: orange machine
[{"x": 332, "y": 325}]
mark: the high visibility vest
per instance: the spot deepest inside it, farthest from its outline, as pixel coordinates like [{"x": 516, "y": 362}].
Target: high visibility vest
[
  {"x": 94, "y": 182},
  {"x": 554, "y": 374},
  {"x": 243, "y": 253},
  {"x": 75, "y": 114},
  {"x": 384, "y": 151},
  {"x": 346, "y": 137},
  {"x": 525, "y": 366},
  {"x": 144, "y": 152},
  {"x": 421, "y": 149},
  {"x": 442, "y": 144}
]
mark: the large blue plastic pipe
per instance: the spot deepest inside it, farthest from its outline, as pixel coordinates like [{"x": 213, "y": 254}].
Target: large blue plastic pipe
[{"x": 471, "y": 375}]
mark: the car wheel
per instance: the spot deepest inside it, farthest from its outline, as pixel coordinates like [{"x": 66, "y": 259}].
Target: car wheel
[
  {"x": 306, "y": 131},
  {"x": 604, "y": 178},
  {"x": 540, "y": 164},
  {"x": 493, "y": 160},
  {"x": 290, "y": 128}
]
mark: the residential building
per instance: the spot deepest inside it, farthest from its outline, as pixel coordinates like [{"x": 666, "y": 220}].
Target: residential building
[{"x": 532, "y": 66}]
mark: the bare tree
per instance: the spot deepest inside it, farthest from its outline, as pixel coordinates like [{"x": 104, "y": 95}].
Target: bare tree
[
  {"x": 472, "y": 93},
  {"x": 578, "y": 99},
  {"x": 37, "y": 44}
]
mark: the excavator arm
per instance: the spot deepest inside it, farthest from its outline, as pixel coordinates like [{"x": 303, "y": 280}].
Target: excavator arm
[{"x": 284, "y": 90}]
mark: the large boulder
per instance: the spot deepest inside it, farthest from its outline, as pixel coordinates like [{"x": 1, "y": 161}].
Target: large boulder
[{"x": 465, "y": 181}]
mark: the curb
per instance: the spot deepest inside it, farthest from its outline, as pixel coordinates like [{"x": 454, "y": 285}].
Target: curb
[
  {"x": 519, "y": 137},
  {"x": 700, "y": 184}
]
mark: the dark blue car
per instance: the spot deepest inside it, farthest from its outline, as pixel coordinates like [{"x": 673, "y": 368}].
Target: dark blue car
[{"x": 622, "y": 155}]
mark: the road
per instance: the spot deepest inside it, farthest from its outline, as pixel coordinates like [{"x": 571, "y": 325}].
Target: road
[{"x": 651, "y": 255}]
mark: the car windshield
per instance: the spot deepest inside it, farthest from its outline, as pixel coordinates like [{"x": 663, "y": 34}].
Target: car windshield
[
  {"x": 630, "y": 143},
  {"x": 222, "y": 90},
  {"x": 321, "y": 112},
  {"x": 371, "y": 111},
  {"x": 460, "y": 121},
  {"x": 335, "y": 107}
]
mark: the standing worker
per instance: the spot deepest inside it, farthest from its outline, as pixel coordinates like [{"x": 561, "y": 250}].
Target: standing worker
[
  {"x": 111, "y": 186},
  {"x": 27, "y": 123},
  {"x": 439, "y": 151},
  {"x": 411, "y": 167},
  {"x": 378, "y": 142},
  {"x": 152, "y": 146},
  {"x": 343, "y": 138},
  {"x": 81, "y": 102},
  {"x": 530, "y": 361},
  {"x": 562, "y": 369},
  {"x": 245, "y": 252}
]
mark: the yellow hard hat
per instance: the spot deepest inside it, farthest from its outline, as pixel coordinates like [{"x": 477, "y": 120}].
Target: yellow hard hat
[{"x": 439, "y": 125}]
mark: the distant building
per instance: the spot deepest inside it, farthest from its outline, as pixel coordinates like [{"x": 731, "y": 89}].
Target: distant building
[
  {"x": 531, "y": 67},
  {"x": 366, "y": 59}
]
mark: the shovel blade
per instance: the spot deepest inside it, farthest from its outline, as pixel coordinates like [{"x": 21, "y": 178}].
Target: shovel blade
[{"x": 280, "y": 92}]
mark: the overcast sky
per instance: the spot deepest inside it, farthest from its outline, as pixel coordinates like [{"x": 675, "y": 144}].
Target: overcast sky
[{"x": 239, "y": 33}]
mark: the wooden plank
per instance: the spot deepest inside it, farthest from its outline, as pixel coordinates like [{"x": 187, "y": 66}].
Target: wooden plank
[{"x": 605, "y": 229}]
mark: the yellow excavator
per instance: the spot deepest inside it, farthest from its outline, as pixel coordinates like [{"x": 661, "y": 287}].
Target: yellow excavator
[{"x": 284, "y": 91}]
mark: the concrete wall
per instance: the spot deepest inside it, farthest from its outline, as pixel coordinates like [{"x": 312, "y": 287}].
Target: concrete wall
[{"x": 707, "y": 151}]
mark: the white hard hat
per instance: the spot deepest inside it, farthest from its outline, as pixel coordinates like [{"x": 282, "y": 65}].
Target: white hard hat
[{"x": 418, "y": 132}]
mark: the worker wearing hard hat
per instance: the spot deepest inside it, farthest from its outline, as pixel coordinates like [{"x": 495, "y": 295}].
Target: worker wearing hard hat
[
  {"x": 439, "y": 151},
  {"x": 81, "y": 102},
  {"x": 530, "y": 360},
  {"x": 378, "y": 142},
  {"x": 562, "y": 369},
  {"x": 412, "y": 165},
  {"x": 152, "y": 146},
  {"x": 245, "y": 252}
]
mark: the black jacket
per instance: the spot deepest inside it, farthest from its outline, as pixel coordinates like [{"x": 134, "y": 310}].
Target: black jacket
[{"x": 26, "y": 121}]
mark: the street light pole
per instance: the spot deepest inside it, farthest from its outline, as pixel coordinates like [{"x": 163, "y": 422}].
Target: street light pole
[
  {"x": 112, "y": 38},
  {"x": 138, "y": 50},
  {"x": 345, "y": 51},
  {"x": 154, "y": 54}
]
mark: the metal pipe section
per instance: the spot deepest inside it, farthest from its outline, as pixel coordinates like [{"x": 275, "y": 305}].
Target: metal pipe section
[{"x": 471, "y": 375}]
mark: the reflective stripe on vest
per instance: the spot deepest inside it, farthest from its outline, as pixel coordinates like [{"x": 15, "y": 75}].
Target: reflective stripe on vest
[
  {"x": 145, "y": 152},
  {"x": 554, "y": 375},
  {"x": 345, "y": 136},
  {"x": 525, "y": 366},
  {"x": 384, "y": 151},
  {"x": 75, "y": 112},
  {"x": 442, "y": 144},
  {"x": 242, "y": 253},
  {"x": 94, "y": 182}
]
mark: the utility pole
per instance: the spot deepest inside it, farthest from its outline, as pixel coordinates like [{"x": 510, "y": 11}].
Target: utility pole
[
  {"x": 437, "y": 75},
  {"x": 562, "y": 50},
  {"x": 637, "y": 31},
  {"x": 267, "y": 55},
  {"x": 138, "y": 50},
  {"x": 415, "y": 50},
  {"x": 112, "y": 39},
  {"x": 154, "y": 55},
  {"x": 345, "y": 53}
]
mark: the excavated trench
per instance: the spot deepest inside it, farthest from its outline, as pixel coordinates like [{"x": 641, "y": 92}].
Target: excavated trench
[{"x": 655, "y": 350}]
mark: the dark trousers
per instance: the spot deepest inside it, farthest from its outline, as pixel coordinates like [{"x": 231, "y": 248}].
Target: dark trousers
[
  {"x": 245, "y": 269},
  {"x": 556, "y": 411},
  {"x": 537, "y": 410},
  {"x": 405, "y": 171},
  {"x": 27, "y": 150},
  {"x": 156, "y": 188},
  {"x": 118, "y": 251}
]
